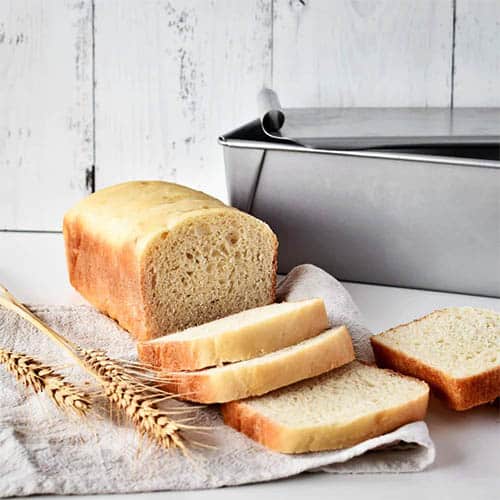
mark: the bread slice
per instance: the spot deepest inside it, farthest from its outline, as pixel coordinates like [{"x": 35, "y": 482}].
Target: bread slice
[
  {"x": 335, "y": 410},
  {"x": 159, "y": 257},
  {"x": 256, "y": 376},
  {"x": 455, "y": 350},
  {"x": 238, "y": 337}
]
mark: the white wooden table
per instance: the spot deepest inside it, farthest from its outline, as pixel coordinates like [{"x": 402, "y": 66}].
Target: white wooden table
[{"x": 468, "y": 444}]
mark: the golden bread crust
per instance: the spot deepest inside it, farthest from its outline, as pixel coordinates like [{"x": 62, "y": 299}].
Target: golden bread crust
[
  {"x": 245, "y": 419},
  {"x": 241, "y": 416},
  {"x": 176, "y": 356},
  {"x": 245, "y": 379},
  {"x": 108, "y": 277},
  {"x": 459, "y": 394},
  {"x": 239, "y": 340},
  {"x": 108, "y": 239}
]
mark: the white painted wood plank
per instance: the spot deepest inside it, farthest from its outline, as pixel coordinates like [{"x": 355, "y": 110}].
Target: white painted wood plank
[
  {"x": 45, "y": 110},
  {"x": 477, "y": 53},
  {"x": 21, "y": 272},
  {"x": 170, "y": 78},
  {"x": 363, "y": 53}
]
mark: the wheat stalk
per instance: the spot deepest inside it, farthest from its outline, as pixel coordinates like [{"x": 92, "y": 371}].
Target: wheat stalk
[
  {"x": 42, "y": 378},
  {"x": 132, "y": 394},
  {"x": 139, "y": 401}
]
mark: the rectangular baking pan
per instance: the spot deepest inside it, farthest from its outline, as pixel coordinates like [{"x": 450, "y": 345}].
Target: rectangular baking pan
[{"x": 402, "y": 197}]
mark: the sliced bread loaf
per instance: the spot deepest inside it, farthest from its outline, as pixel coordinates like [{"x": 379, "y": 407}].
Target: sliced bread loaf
[
  {"x": 455, "y": 350},
  {"x": 259, "y": 375},
  {"x": 159, "y": 257},
  {"x": 335, "y": 410},
  {"x": 238, "y": 337}
]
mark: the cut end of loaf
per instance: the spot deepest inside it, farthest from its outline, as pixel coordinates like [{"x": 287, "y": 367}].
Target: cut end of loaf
[
  {"x": 213, "y": 266},
  {"x": 160, "y": 257}
]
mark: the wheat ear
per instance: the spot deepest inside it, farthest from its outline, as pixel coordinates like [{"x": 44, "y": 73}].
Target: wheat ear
[
  {"x": 136, "y": 399},
  {"x": 42, "y": 378},
  {"x": 127, "y": 391}
]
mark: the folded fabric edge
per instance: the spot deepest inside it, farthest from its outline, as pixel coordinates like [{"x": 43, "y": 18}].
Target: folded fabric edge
[{"x": 407, "y": 449}]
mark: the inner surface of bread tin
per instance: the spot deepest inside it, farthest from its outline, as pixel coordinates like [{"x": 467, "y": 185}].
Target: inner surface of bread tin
[{"x": 420, "y": 211}]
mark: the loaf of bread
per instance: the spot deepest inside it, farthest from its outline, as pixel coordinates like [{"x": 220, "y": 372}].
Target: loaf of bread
[
  {"x": 455, "y": 350},
  {"x": 159, "y": 257},
  {"x": 238, "y": 337},
  {"x": 256, "y": 376},
  {"x": 335, "y": 410}
]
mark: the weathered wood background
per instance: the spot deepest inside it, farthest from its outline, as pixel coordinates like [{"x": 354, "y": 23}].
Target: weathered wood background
[{"x": 94, "y": 92}]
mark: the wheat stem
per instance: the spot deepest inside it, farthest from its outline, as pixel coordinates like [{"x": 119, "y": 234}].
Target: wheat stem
[
  {"x": 42, "y": 378},
  {"x": 128, "y": 391},
  {"x": 8, "y": 301}
]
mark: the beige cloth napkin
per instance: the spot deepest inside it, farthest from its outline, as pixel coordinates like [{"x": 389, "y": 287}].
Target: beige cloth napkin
[{"x": 42, "y": 451}]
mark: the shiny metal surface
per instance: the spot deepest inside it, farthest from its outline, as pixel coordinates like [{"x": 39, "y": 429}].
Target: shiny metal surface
[
  {"x": 366, "y": 128},
  {"x": 416, "y": 217}
]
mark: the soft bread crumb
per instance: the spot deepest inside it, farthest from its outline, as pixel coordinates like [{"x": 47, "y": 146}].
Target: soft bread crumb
[
  {"x": 262, "y": 374},
  {"x": 335, "y": 410},
  {"x": 461, "y": 341},
  {"x": 249, "y": 317},
  {"x": 237, "y": 337},
  {"x": 349, "y": 392},
  {"x": 211, "y": 267},
  {"x": 158, "y": 257}
]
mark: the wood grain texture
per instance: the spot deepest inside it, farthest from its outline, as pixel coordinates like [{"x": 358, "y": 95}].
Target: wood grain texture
[
  {"x": 45, "y": 110},
  {"x": 477, "y": 53},
  {"x": 171, "y": 77},
  {"x": 363, "y": 53}
]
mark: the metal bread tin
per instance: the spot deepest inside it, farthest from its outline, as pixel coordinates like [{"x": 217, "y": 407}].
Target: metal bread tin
[{"x": 402, "y": 197}]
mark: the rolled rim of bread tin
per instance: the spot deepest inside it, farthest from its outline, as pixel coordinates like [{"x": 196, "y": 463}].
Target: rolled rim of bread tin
[{"x": 407, "y": 197}]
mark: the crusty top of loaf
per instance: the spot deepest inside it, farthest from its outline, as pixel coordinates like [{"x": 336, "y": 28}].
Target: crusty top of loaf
[{"x": 139, "y": 210}]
